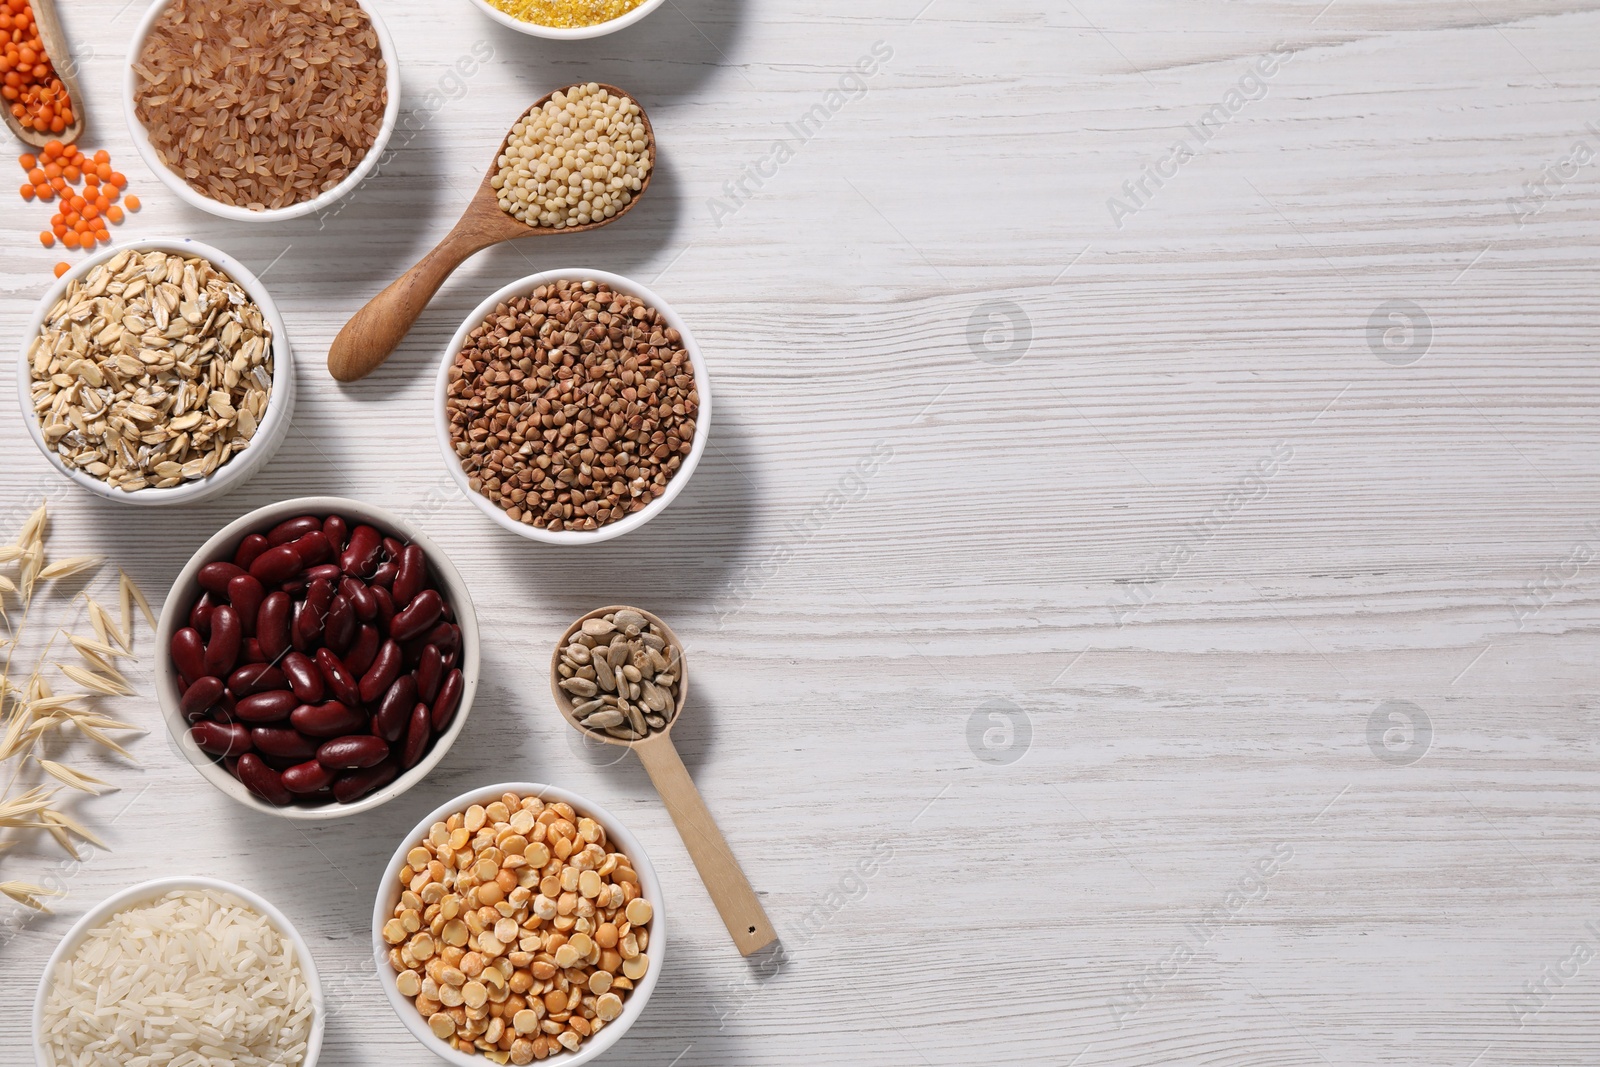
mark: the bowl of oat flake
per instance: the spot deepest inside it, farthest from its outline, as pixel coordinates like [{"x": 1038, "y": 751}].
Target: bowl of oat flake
[{"x": 156, "y": 372}]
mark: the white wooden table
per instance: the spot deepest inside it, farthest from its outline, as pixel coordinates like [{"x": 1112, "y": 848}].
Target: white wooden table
[{"x": 1182, "y": 598}]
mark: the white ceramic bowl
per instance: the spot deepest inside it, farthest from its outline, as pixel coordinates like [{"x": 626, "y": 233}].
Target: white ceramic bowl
[
  {"x": 172, "y": 180},
  {"x": 270, "y": 433},
  {"x": 557, "y": 33},
  {"x": 616, "y": 833},
  {"x": 702, "y": 429},
  {"x": 186, "y": 590},
  {"x": 146, "y": 892}
]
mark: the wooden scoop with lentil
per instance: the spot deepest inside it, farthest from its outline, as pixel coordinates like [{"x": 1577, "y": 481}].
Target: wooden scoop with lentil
[{"x": 547, "y": 177}]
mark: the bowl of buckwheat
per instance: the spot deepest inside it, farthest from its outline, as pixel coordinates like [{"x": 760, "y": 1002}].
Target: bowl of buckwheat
[
  {"x": 572, "y": 406},
  {"x": 516, "y": 922},
  {"x": 156, "y": 372}
]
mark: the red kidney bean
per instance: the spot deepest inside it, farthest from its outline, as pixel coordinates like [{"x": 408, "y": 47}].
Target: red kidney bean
[
  {"x": 272, "y": 624},
  {"x": 384, "y": 576},
  {"x": 313, "y": 614},
  {"x": 412, "y": 577},
  {"x": 385, "y": 606},
  {"x": 222, "y": 651},
  {"x": 336, "y": 530},
  {"x": 200, "y": 614},
  {"x": 249, "y": 550},
  {"x": 329, "y": 719},
  {"x": 305, "y": 680},
  {"x": 283, "y": 741},
  {"x": 326, "y": 571},
  {"x": 271, "y": 706},
  {"x": 430, "y": 673},
  {"x": 417, "y": 734},
  {"x": 360, "y": 597},
  {"x": 255, "y": 678},
  {"x": 413, "y": 651},
  {"x": 307, "y": 777},
  {"x": 448, "y": 700},
  {"x": 390, "y": 721},
  {"x": 352, "y": 752},
  {"x": 340, "y": 629},
  {"x": 447, "y": 635},
  {"x": 262, "y": 780},
  {"x": 276, "y": 565},
  {"x": 188, "y": 654},
  {"x": 201, "y": 696},
  {"x": 220, "y": 740},
  {"x": 341, "y": 613},
  {"x": 362, "y": 554},
  {"x": 291, "y": 529},
  {"x": 353, "y": 785},
  {"x": 214, "y": 577},
  {"x": 418, "y": 617},
  {"x": 313, "y": 548},
  {"x": 246, "y": 594},
  {"x": 384, "y": 670},
  {"x": 363, "y": 651},
  {"x": 339, "y": 680}
]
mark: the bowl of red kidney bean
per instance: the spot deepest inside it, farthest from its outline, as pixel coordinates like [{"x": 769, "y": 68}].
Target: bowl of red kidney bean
[{"x": 320, "y": 657}]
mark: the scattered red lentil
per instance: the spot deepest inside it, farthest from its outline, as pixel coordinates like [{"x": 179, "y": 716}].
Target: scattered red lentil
[
  {"x": 87, "y": 211},
  {"x": 62, "y": 268}
]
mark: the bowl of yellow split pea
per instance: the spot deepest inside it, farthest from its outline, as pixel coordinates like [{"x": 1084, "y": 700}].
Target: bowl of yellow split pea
[{"x": 567, "y": 20}]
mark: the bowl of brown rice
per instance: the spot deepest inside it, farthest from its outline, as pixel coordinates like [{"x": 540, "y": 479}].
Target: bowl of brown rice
[{"x": 261, "y": 110}]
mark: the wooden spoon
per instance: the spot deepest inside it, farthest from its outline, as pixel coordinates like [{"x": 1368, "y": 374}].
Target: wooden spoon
[
  {"x": 377, "y": 329},
  {"x": 730, "y": 890},
  {"x": 60, "y": 56}
]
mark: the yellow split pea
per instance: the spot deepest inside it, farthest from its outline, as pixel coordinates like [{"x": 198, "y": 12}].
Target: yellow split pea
[{"x": 518, "y": 932}]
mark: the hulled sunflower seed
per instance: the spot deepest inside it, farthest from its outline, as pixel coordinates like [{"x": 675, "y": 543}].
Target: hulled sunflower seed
[{"x": 624, "y": 687}]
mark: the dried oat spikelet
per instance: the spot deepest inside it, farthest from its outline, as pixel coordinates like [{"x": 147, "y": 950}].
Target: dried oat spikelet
[
  {"x": 66, "y": 568},
  {"x": 28, "y": 894},
  {"x": 77, "y": 779}
]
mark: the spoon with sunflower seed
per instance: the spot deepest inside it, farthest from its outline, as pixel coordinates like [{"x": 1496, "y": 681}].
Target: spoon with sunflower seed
[{"x": 619, "y": 676}]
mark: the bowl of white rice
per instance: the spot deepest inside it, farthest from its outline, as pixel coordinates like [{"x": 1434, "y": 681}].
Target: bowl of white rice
[{"x": 180, "y": 970}]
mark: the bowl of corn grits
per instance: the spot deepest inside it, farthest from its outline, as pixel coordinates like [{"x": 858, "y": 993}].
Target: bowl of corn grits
[{"x": 567, "y": 20}]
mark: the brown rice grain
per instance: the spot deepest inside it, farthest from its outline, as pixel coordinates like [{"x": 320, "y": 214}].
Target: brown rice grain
[{"x": 261, "y": 103}]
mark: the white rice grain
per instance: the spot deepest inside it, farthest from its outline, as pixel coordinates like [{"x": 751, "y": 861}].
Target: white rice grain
[{"x": 197, "y": 978}]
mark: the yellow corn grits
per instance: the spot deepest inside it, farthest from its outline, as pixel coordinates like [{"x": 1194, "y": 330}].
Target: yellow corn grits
[{"x": 566, "y": 14}]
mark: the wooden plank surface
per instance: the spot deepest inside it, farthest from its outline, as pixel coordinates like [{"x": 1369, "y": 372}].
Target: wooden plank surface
[{"x": 1185, "y": 610}]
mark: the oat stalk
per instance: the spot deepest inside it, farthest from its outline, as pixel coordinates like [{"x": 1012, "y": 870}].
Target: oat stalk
[{"x": 31, "y": 710}]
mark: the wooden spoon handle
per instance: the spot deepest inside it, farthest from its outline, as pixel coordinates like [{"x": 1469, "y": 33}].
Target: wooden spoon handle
[
  {"x": 378, "y": 328},
  {"x": 730, "y": 890}
]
